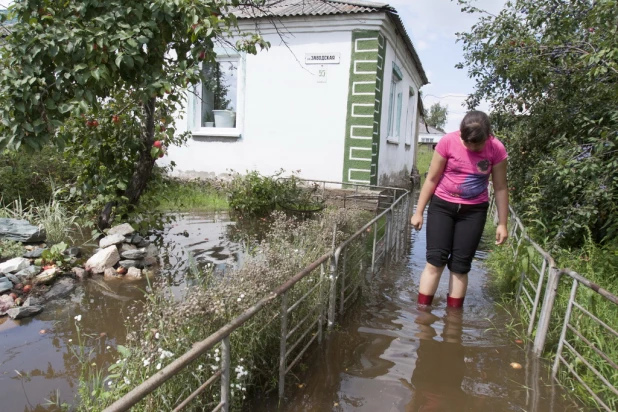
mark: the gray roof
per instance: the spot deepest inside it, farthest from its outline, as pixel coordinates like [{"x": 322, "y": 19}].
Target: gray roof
[
  {"x": 424, "y": 129},
  {"x": 293, "y": 8}
]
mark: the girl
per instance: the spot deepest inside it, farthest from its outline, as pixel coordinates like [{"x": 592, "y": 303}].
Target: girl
[{"x": 457, "y": 186}]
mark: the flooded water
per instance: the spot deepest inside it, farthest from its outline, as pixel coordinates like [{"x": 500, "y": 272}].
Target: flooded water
[
  {"x": 37, "y": 365},
  {"x": 389, "y": 356}
]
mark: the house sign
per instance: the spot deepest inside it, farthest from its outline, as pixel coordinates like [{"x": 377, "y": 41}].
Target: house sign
[{"x": 322, "y": 58}]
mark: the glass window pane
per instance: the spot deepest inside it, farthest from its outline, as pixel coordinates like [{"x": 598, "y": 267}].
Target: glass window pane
[
  {"x": 219, "y": 91},
  {"x": 398, "y": 121}
]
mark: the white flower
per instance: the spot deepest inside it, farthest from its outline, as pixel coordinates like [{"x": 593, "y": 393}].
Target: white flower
[
  {"x": 217, "y": 359},
  {"x": 157, "y": 335},
  {"x": 242, "y": 295},
  {"x": 70, "y": 340},
  {"x": 242, "y": 360},
  {"x": 78, "y": 318},
  {"x": 214, "y": 367},
  {"x": 217, "y": 350},
  {"x": 199, "y": 368},
  {"x": 238, "y": 300},
  {"x": 158, "y": 365},
  {"x": 109, "y": 347},
  {"x": 127, "y": 381},
  {"x": 146, "y": 362},
  {"x": 109, "y": 383}
]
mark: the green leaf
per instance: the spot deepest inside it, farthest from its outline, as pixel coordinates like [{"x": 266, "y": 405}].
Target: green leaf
[{"x": 124, "y": 351}]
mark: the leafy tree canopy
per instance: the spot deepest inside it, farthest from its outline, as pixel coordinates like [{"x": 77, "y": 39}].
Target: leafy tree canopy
[{"x": 437, "y": 116}]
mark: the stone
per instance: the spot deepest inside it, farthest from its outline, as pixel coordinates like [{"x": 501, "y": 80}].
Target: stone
[
  {"x": 135, "y": 239},
  {"x": 27, "y": 302},
  {"x": 5, "y": 285},
  {"x": 110, "y": 273},
  {"x": 131, "y": 264},
  {"x": 60, "y": 289},
  {"x": 123, "y": 229},
  {"x": 28, "y": 273},
  {"x": 13, "y": 278},
  {"x": 144, "y": 243},
  {"x": 80, "y": 274},
  {"x": 14, "y": 265},
  {"x": 127, "y": 246},
  {"x": 111, "y": 240},
  {"x": 21, "y": 231},
  {"x": 152, "y": 251},
  {"x": 73, "y": 251},
  {"x": 134, "y": 273},
  {"x": 150, "y": 261},
  {"x": 47, "y": 277},
  {"x": 34, "y": 253},
  {"x": 24, "y": 311},
  {"x": 6, "y": 303},
  {"x": 136, "y": 254},
  {"x": 103, "y": 259}
]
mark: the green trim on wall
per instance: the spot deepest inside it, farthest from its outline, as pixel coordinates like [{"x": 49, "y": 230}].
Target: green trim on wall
[{"x": 362, "y": 139}]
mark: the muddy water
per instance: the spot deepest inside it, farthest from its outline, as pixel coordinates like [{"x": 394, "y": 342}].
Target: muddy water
[
  {"x": 390, "y": 356},
  {"x": 36, "y": 362}
]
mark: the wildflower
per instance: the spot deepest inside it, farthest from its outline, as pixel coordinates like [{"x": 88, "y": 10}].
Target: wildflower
[
  {"x": 70, "y": 340},
  {"x": 127, "y": 381},
  {"x": 214, "y": 367},
  {"x": 238, "y": 300},
  {"x": 157, "y": 335},
  {"x": 78, "y": 318},
  {"x": 146, "y": 362},
  {"x": 199, "y": 368},
  {"x": 242, "y": 295},
  {"x": 217, "y": 359},
  {"x": 109, "y": 383},
  {"x": 158, "y": 365},
  {"x": 108, "y": 347}
]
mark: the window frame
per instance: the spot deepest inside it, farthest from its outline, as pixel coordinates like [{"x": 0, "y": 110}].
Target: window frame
[
  {"x": 411, "y": 118},
  {"x": 195, "y": 101},
  {"x": 395, "y": 106}
]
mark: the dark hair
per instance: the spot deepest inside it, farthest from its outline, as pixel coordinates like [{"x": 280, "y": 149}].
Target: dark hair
[{"x": 475, "y": 127}]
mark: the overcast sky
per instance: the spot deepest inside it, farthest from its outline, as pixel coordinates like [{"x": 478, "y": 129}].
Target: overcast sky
[{"x": 432, "y": 24}]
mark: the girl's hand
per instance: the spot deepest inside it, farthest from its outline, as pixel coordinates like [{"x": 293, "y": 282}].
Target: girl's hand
[
  {"x": 417, "y": 221},
  {"x": 502, "y": 234}
]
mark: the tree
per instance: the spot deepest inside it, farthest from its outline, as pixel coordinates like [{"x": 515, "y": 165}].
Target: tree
[
  {"x": 437, "y": 116},
  {"x": 70, "y": 68},
  {"x": 549, "y": 70}
]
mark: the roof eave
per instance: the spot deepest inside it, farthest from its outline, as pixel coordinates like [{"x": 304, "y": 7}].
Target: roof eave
[{"x": 392, "y": 14}]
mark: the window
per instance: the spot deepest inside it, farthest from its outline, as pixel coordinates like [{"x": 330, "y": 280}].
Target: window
[
  {"x": 395, "y": 102},
  {"x": 412, "y": 116},
  {"x": 216, "y": 107}
]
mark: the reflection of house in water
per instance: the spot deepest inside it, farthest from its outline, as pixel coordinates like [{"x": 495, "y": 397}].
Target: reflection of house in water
[{"x": 337, "y": 97}]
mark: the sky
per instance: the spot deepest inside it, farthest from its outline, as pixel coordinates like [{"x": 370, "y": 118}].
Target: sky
[{"x": 432, "y": 25}]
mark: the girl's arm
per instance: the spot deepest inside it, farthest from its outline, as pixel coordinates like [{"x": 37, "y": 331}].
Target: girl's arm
[
  {"x": 501, "y": 193},
  {"x": 436, "y": 168}
]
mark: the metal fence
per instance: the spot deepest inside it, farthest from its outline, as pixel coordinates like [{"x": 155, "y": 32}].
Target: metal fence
[
  {"x": 583, "y": 331},
  {"x": 310, "y": 300}
]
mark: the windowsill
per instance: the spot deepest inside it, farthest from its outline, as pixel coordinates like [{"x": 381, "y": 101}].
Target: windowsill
[
  {"x": 230, "y": 132},
  {"x": 392, "y": 140}
]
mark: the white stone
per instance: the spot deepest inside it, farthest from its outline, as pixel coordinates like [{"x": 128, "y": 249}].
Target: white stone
[
  {"x": 127, "y": 246},
  {"x": 124, "y": 229},
  {"x": 134, "y": 273},
  {"x": 14, "y": 265},
  {"x": 103, "y": 259},
  {"x": 46, "y": 277},
  {"x": 152, "y": 251},
  {"x": 111, "y": 240}
]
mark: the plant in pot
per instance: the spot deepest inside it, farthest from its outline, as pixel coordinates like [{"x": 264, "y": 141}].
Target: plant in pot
[
  {"x": 223, "y": 116},
  {"x": 209, "y": 120}
]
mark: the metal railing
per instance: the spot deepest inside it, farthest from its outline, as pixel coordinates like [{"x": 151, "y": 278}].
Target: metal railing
[
  {"x": 336, "y": 278},
  {"x": 541, "y": 278}
]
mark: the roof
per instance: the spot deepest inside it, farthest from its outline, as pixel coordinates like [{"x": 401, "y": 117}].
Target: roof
[
  {"x": 425, "y": 129},
  {"x": 296, "y": 8}
]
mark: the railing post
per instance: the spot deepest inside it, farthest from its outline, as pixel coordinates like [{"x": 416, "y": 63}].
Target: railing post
[
  {"x": 333, "y": 291},
  {"x": 387, "y": 235},
  {"x": 373, "y": 252},
  {"x": 343, "y": 270},
  {"x": 225, "y": 375},
  {"x": 567, "y": 318},
  {"x": 283, "y": 343},
  {"x": 322, "y": 303},
  {"x": 546, "y": 310}
]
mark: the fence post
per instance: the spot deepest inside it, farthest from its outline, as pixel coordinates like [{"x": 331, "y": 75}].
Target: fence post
[
  {"x": 225, "y": 376},
  {"x": 373, "y": 252},
  {"x": 387, "y": 235},
  {"x": 283, "y": 342},
  {"x": 343, "y": 278},
  {"x": 322, "y": 303},
  {"x": 567, "y": 318},
  {"x": 545, "y": 316},
  {"x": 333, "y": 291}
]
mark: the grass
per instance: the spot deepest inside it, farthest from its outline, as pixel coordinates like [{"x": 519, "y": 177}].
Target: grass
[
  {"x": 599, "y": 265},
  {"x": 423, "y": 158},
  {"x": 193, "y": 196},
  {"x": 167, "y": 327}
]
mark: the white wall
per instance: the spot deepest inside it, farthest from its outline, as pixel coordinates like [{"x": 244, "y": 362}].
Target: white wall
[
  {"x": 395, "y": 157},
  {"x": 290, "y": 120}
]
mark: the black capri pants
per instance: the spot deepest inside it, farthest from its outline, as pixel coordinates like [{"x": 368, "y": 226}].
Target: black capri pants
[{"x": 453, "y": 233}]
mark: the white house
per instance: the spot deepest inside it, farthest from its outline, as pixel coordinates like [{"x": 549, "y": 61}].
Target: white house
[
  {"x": 336, "y": 97},
  {"x": 429, "y": 134}
]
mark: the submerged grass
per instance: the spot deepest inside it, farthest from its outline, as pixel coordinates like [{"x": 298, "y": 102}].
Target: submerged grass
[
  {"x": 598, "y": 264},
  {"x": 192, "y": 195},
  {"x": 168, "y": 326}
]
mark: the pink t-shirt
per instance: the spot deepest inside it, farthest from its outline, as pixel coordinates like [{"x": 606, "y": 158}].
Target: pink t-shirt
[{"x": 466, "y": 175}]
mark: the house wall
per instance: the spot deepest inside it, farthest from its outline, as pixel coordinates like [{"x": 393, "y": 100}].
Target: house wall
[
  {"x": 291, "y": 121},
  {"x": 397, "y": 155}
]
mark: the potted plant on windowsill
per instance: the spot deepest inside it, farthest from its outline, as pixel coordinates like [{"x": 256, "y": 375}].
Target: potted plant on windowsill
[
  {"x": 208, "y": 120},
  {"x": 222, "y": 115}
]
